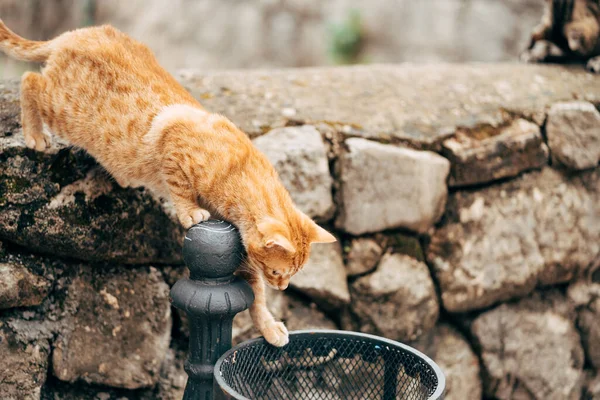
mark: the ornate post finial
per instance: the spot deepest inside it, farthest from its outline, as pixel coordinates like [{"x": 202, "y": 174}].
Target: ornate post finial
[{"x": 213, "y": 251}]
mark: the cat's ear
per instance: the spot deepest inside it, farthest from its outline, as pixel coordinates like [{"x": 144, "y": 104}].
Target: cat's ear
[
  {"x": 320, "y": 235},
  {"x": 278, "y": 240},
  {"x": 273, "y": 235}
]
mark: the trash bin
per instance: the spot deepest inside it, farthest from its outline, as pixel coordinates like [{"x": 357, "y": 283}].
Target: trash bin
[{"x": 324, "y": 364}]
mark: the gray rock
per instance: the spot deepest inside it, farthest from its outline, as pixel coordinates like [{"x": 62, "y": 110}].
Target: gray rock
[
  {"x": 301, "y": 316},
  {"x": 591, "y": 386},
  {"x": 170, "y": 386},
  {"x": 323, "y": 278},
  {"x": 63, "y": 391},
  {"x": 572, "y": 131},
  {"x": 384, "y": 186},
  {"x": 59, "y": 202},
  {"x": 502, "y": 241},
  {"x": 19, "y": 287},
  {"x": 451, "y": 351},
  {"x": 173, "y": 378},
  {"x": 488, "y": 153},
  {"x": 120, "y": 332},
  {"x": 363, "y": 256},
  {"x": 300, "y": 158},
  {"x": 589, "y": 327},
  {"x": 586, "y": 297},
  {"x": 530, "y": 350},
  {"x": 349, "y": 321},
  {"x": 23, "y": 367},
  {"x": 433, "y": 101},
  {"x": 397, "y": 301}
]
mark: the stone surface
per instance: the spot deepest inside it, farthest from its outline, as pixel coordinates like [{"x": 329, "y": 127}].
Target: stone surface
[
  {"x": 397, "y": 301},
  {"x": 58, "y": 390},
  {"x": 486, "y": 153},
  {"x": 585, "y": 294},
  {"x": 502, "y": 241},
  {"x": 451, "y": 351},
  {"x": 170, "y": 386},
  {"x": 363, "y": 256},
  {"x": 29, "y": 280},
  {"x": 419, "y": 104},
  {"x": 300, "y": 158},
  {"x": 120, "y": 332},
  {"x": 60, "y": 203},
  {"x": 323, "y": 277},
  {"x": 23, "y": 366},
  {"x": 572, "y": 131},
  {"x": 588, "y": 323},
  {"x": 301, "y": 317},
  {"x": 530, "y": 350},
  {"x": 384, "y": 187},
  {"x": 173, "y": 378},
  {"x": 19, "y": 287},
  {"x": 591, "y": 386}
]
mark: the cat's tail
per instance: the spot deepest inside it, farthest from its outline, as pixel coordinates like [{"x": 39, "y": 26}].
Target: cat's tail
[{"x": 22, "y": 49}]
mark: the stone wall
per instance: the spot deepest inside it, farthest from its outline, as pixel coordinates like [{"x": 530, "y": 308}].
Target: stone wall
[
  {"x": 466, "y": 200},
  {"x": 220, "y": 34}
]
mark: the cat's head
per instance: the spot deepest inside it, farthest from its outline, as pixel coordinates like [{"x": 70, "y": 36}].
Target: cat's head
[{"x": 281, "y": 248}]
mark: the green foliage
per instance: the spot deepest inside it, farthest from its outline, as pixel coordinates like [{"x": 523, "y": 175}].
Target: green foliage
[
  {"x": 346, "y": 39},
  {"x": 405, "y": 244},
  {"x": 88, "y": 10}
]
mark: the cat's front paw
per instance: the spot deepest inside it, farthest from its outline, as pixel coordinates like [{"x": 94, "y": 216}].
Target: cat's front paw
[
  {"x": 194, "y": 217},
  {"x": 38, "y": 141},
  {"x": 593, "y": 65},
  {"x": 541, "y": 51},
  {"x": 276, "y": 334}
]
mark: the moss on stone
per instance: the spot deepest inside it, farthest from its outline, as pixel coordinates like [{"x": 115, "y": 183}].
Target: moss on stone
[
  {"x": 11, "y": 185},
  {"x": 405, "y": 244}
]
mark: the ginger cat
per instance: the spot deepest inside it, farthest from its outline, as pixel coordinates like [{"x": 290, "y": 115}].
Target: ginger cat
[
  {"x": 105, "y": 93},
  {"x": 570, "y": 29}
]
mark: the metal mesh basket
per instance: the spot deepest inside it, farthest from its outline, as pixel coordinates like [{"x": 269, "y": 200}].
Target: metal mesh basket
[{"x": 328, "y": 365}]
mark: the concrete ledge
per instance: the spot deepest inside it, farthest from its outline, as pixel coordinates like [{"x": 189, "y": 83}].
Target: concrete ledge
[{"x": 419, "y": 104}]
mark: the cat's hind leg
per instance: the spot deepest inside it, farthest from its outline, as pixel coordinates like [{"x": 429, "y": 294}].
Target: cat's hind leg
[
  {"x": 32, "y": 85},
  {"x": 593, "y": 65}
]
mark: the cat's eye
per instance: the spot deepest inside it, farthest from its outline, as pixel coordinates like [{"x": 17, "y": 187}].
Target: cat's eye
[{"x": 275, "y": 272}]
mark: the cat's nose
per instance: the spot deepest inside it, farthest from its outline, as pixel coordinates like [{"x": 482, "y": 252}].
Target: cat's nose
[{"x": 283, "y": 286}]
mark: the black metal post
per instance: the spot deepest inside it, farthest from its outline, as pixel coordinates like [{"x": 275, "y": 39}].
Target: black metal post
[{"x": 212, "y": 251}]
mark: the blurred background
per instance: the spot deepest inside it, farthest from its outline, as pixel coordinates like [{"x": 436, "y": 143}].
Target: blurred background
[{"x": 226, "y": 34}]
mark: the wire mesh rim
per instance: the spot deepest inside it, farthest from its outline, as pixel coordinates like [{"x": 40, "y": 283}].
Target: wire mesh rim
[{"x": 225, "y": 387}]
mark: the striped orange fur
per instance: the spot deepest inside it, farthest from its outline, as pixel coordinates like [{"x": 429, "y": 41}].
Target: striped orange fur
[{"x": 105, "y": 93}]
